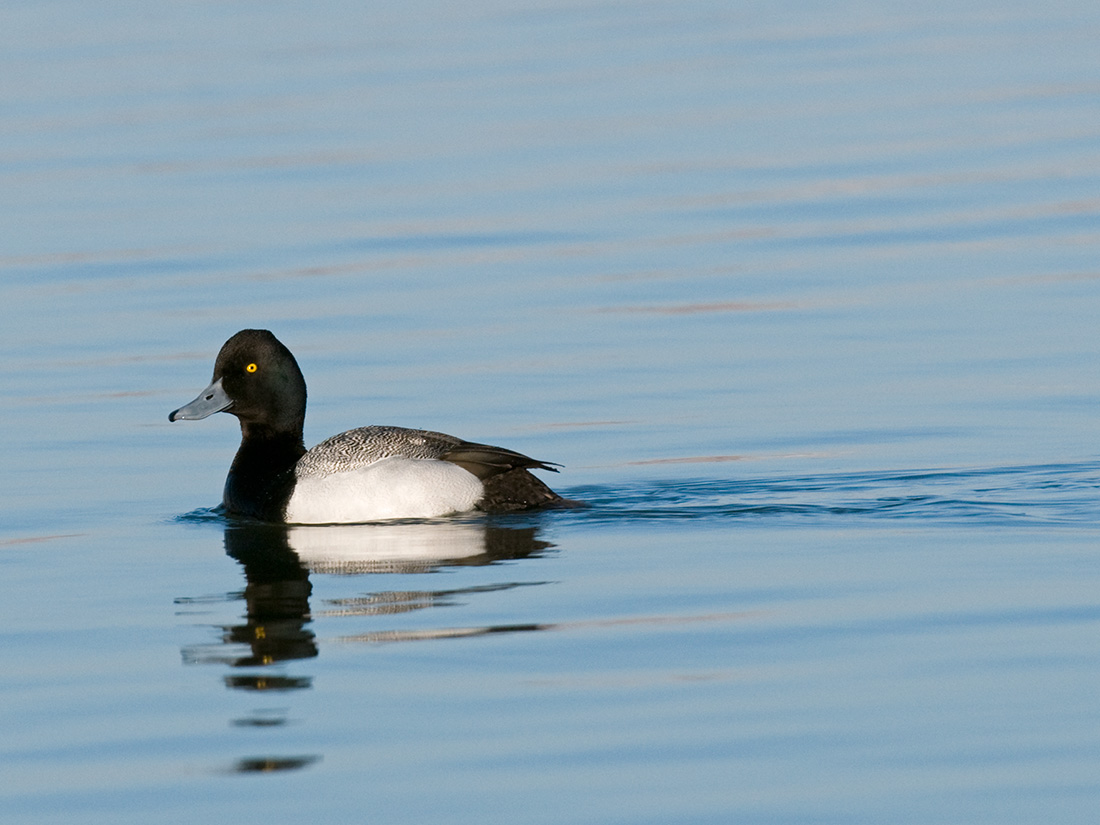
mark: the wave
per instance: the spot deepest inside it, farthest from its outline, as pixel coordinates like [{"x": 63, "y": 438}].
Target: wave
[{"x": 1047, "y": 494}]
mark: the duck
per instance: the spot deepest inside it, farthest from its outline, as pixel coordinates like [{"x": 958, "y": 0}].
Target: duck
[{"x": 373, "y": 473}]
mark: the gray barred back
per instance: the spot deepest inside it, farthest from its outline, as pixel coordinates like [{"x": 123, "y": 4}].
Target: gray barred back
[{"x": 365, "y": 445}]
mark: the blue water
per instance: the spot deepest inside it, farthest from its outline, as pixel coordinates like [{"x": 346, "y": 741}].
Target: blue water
[{"x": 803, "y": 297}]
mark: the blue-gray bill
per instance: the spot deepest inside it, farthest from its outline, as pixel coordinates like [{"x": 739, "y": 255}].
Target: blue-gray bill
[{"x": 211, "y": 400}]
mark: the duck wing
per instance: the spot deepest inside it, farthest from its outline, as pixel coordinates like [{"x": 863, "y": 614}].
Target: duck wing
[
  {"x": 354, "y": 449},
  {"x": 485, "y": 461},
  {"x": 508, "y": 484}
]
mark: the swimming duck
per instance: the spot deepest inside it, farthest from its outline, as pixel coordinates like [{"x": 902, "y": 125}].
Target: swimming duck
[{"x": 366, "y": 474}]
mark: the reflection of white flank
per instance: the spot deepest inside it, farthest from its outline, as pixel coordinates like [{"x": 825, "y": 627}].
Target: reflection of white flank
[{"x": 356, "y": 547}]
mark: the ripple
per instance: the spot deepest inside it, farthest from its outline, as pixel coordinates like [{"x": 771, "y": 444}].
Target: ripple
[{"x": 1048, "y": 494}]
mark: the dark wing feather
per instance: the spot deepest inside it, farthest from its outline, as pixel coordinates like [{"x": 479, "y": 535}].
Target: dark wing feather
[
  {"x": 508, "y": 484},
  {"x": 485, "y": 461}
]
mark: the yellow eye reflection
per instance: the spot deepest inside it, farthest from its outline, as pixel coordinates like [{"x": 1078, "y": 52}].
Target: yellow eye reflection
[{"x": 251, "y": 368}]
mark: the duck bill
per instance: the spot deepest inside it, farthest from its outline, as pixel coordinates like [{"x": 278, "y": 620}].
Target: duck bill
[{"x": 211, "y": 400}]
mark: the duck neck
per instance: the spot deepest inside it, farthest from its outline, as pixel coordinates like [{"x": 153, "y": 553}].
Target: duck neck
[{"x": 262, "y": 473}]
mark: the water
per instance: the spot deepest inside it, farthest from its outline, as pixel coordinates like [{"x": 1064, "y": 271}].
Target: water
[{"x": 803, "y": 297}]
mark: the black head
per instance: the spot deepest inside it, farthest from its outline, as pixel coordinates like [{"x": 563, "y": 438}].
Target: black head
[{"x": 256, "y": 379}]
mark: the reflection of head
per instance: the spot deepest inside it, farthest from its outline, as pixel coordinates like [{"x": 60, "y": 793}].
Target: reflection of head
[{"x": 276, "y": 594}]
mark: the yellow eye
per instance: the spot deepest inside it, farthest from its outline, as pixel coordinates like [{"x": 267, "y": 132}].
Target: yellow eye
[{"x": 251, "y": 368}]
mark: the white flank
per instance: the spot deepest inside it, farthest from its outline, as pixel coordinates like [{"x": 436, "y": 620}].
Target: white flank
[{"x": 388, "y": 489}]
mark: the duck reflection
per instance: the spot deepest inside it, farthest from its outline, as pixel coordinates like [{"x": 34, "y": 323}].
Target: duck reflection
[
  {"x": 271, "y": 764},
  {"x": 279, "y": 559}
]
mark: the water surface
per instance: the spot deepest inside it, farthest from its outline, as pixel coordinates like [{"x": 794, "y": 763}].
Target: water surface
[{"x": 803, "y": 298}]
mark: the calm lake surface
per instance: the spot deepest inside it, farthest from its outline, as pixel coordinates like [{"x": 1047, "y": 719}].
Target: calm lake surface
[{"x": 804, "y": 297}]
